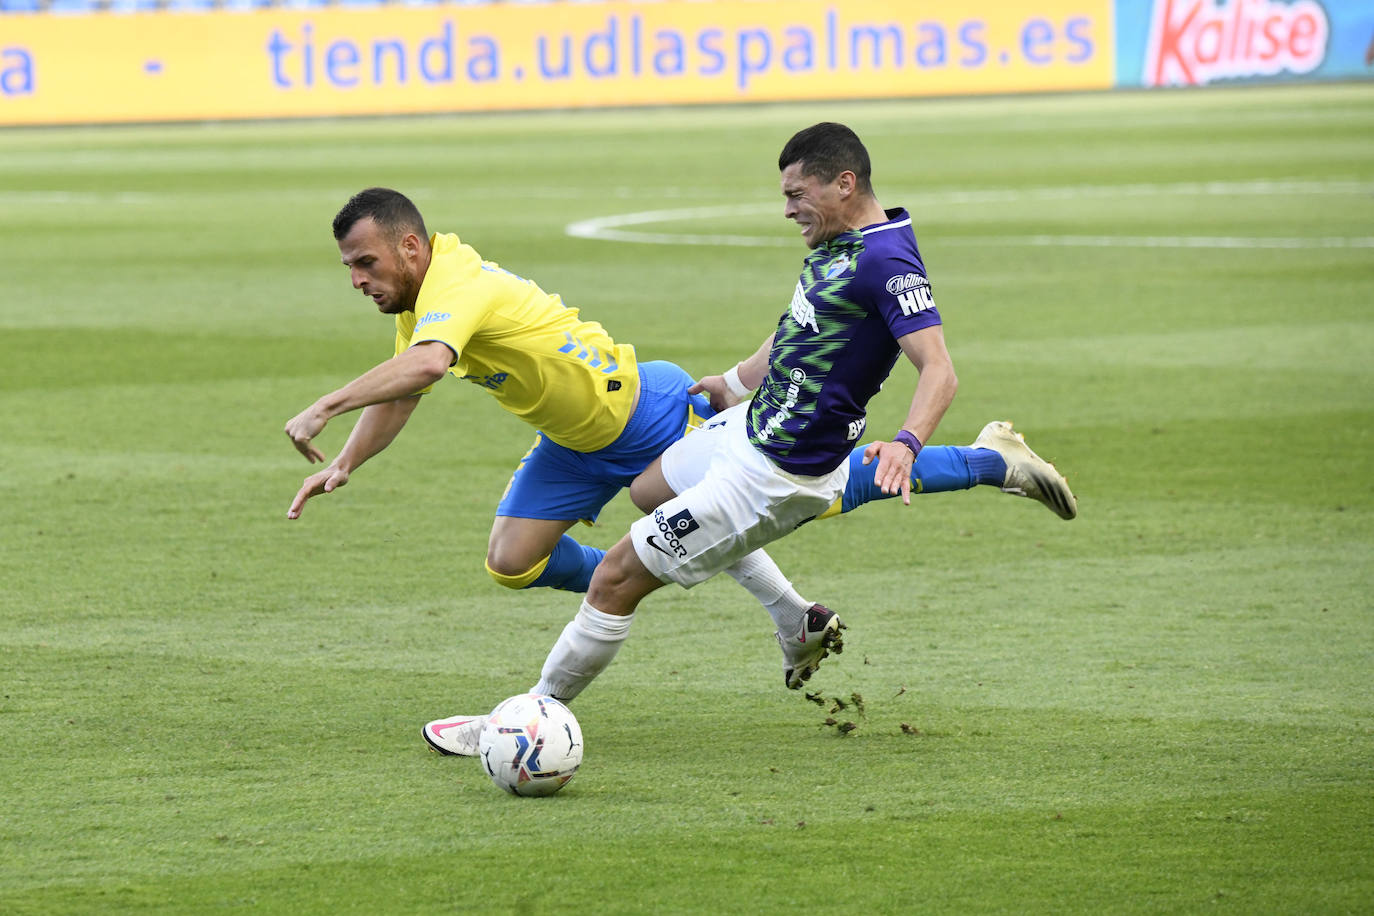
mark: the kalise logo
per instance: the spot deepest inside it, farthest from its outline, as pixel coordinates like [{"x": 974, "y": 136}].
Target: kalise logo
[{"x": 1196, "y": 42}]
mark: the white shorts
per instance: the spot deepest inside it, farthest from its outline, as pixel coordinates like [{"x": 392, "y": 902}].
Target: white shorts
[{"x": 731, "y": 501}]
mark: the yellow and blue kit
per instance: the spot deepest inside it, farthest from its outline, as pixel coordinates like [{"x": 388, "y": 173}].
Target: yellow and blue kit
[
  {"x": 602, "y": 416},
  {"x": 561, "y": 374}
]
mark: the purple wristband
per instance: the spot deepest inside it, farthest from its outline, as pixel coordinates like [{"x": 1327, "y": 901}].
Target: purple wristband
[{"x": 909, "y": 440}]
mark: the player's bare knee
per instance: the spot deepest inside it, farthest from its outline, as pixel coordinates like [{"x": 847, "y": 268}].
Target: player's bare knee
[{"x": 513, "y": 571}]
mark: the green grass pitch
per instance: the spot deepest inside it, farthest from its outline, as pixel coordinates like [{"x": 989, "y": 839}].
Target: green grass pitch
[{"x": 1163, "y": 706}]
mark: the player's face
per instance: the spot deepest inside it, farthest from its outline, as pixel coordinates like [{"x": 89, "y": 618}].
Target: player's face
[
  {"x": 386, "y": 272},
  {"x": 817, "y": 207}
]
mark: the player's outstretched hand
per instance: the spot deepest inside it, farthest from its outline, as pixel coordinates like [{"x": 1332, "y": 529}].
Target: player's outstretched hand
[
  {"x": 893, "y": 475},
  {"x": 326, "y": 481},
  {"x": 717, "y": 390},
  {"x": 304, "y": 427}
]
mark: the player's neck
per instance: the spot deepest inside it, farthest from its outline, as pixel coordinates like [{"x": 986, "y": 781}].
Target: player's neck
[
  {"x": 867, "y": 212},
  {"x": 422, "y": 259}
]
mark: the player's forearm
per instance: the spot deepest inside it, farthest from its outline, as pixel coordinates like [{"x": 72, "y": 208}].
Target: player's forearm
[
  {"x": 398, "y": 377},
  {"x": 752, "y": 370},
  {"x": 937, "y": 383},
  {"x": 934, "y": 393},
  {"x": 376, "y": 428}
]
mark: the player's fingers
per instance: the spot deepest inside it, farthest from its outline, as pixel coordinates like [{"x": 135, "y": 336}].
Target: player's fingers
[
  {"x": 696, "y": 388},
  {"x": 884, "y": 476},
  {"x": 306, "y": 448}
]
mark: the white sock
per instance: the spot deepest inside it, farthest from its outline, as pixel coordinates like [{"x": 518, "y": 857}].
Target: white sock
[
  {"x": 583, "y": 651},
  {"x": 761, "y": 577}
]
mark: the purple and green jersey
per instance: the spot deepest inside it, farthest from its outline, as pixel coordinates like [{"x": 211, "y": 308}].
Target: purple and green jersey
[{"x": 837, "y": 343}]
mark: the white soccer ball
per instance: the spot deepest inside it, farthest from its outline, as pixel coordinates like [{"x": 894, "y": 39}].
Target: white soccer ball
[{"x": 531, "y": 745}]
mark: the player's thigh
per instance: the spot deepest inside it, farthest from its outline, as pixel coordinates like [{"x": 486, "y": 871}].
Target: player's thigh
[
  {"x": 555, "y": 483},
  {"x": 685, "y": 463},
  {"x": 651, "y": 488},
  {"x": 742, "y": 504}
]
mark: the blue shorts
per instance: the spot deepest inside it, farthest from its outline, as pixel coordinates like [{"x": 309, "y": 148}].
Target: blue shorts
[{"x": 557, "y": 483}]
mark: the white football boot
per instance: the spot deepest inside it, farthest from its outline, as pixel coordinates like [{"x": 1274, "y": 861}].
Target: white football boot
[
  {"x": 1027, "y": 473},
  {"x": 803, "y": 652},
  {"x": 456, "y": 737}
]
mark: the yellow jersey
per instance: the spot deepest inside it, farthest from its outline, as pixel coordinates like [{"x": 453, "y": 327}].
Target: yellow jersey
[{"x": 563, "y": 375}]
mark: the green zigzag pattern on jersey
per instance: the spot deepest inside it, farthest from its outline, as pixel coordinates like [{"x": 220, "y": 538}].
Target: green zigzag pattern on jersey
[{"x": 813, "y": 351}]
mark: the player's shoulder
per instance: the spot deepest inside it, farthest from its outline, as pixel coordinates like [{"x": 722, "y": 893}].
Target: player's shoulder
[
  {"x": 452, "y": 275},
  {"x": 890, "y": 254},
  {"x": 450, "y": 254},
  {"x": 892, "y": 239}
]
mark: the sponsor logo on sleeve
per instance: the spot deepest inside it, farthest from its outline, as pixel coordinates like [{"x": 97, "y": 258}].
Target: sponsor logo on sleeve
[
  {"x": 912, "y": 291},
  {"x": 1196, "y": 42},
  {"x": 430, "y": 318}
]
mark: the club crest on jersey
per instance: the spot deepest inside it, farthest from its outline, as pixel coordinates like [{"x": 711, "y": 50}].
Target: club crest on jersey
[
  {"x": 837, "y": 266},
  {"x": 803, "y": 312}
]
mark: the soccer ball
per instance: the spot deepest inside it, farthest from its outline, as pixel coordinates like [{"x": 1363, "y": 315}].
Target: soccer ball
[{"x": 531, "y": 745}]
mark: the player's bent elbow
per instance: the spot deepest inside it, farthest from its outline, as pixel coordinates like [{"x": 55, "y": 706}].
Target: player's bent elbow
[{"x": 434, "y": 359}]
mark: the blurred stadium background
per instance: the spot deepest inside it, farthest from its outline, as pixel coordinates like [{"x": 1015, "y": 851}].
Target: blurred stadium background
[{"x": 89, "y": 61}]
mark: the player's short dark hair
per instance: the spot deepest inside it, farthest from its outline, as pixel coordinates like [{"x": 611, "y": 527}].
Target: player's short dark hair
[
  {"x": 391, "y": 210},
  {"x": 827, "y": 149}
]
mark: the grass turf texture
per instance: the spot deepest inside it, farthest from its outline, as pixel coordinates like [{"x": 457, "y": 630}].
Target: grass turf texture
[{"x": 1162, "y": 706}]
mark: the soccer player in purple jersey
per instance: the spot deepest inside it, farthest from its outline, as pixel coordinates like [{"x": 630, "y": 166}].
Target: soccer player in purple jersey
[{"x": 759, "y": 469}]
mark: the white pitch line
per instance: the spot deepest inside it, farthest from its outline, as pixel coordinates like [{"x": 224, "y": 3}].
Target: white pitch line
[
  {"x": 612, "y": 228},
  {"x": 607, "y": 228},
  {"x": 1164, "y": 241}
]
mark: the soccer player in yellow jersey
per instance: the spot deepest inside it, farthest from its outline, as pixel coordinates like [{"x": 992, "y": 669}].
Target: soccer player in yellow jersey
[{"x": 602, "y": 416}]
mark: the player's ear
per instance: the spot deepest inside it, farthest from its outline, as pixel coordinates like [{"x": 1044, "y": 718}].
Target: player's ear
[
  {"x": 410, "y": 245},
  {"x": 846, "y": 183}
]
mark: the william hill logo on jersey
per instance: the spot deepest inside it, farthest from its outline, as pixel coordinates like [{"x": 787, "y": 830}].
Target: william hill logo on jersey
[{"x": 912, "y": 291}]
